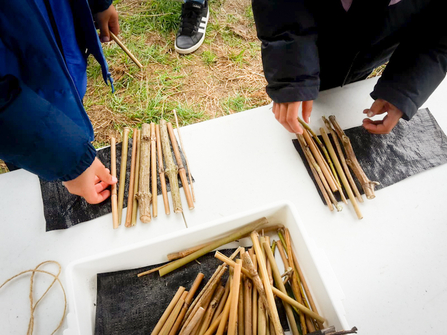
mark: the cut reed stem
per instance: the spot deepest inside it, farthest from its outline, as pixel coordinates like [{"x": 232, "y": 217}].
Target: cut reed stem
[
  {"x": 127, "y": 51},
  {"x": 194, "y": 321},
  {"x": 113, "y": 172},
  {"x": 173, "y": 316},
  {"x": 211, "y": 309},
  {"x": 181, "y": 168},
  {"x": 232, "y": 325},
  {"x": 154, "y": 171},
  {"x": 144, "y": 194},
  {"x": 123, "y": 173},
  {"x": 341, "y": 173},
  {"x": 230, "y": 238},
  {"x": 168, "y": 310},
  {"x": 161, "y": 170},
  {"x": 130, "y": 197},
  {"x": 248, "y": 314},
  {"x": 137, "y": 177}
]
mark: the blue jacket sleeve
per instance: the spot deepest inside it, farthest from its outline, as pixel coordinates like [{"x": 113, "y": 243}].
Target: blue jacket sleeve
[
  {"x": 419, "y": 63},
  {"x": 36, "y": 136},
  {"x": 288, "y": 32}
]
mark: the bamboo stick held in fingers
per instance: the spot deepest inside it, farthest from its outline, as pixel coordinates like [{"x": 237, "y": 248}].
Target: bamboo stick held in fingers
[
  {"x": 181, "y": 168},
  {"x": 161, "y": 170},
  {"x": 127, "y": 51},
  {"x": 123, "y": 171},
  {"x": 144, "y": 194},
  {"x": 130, "y": 197},
  {"x": 113, "y": 172},
  {"x": 171, "y": 168},
  {"x": 367, "y": 185}
]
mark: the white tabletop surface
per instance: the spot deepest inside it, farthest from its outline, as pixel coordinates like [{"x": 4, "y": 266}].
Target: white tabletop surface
[{"x": 391, "y": 266}]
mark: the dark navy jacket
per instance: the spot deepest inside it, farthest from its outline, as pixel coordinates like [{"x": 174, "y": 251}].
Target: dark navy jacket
[
  {"x": 43, "y": 125},
  {"x": 311, "y": 45}
]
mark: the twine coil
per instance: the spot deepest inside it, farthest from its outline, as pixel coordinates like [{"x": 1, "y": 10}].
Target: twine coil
[{"x": 33, "y": 305}]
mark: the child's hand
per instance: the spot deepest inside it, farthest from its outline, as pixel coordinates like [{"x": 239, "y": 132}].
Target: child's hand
[
  {"x": 287, "y": 114},
  {"x": 384, "y": 126},
  {"x": 92, "y": 183},
  {"x": 106, "y": 20}
]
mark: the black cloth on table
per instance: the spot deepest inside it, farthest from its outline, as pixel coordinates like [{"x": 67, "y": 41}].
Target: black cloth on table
[
  {"x": 131, "y": 305},
  {"x": 63, "y": 210},
  {"x": 412, "y": 147}
]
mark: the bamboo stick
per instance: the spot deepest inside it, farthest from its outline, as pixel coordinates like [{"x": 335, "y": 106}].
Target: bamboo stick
[
  {"x": 171, "y": 168},
  {"x": 173, "y": 316},
  {"x": 263, "y": 239},
  {"x": 161, "y": 170},
  {"x": 130, "y": 197},
  {"x": 341, "y": 173},
  {"x": 317, "y": 156},
  {"x": 232, "y": 325},
  {"x": 181, "y": 168},
  {"x": 188, "y": 300},
  {"x": 194, "y": 321},
  {"x": 322, "y": 147},
  {"x": 168, "y": 310},
  {"x": 248, "y": 296},
  {"x": 127, "y": 51},
  {"x": 123, "y": 172},
  {"x": 367, "y": 185},
  {"x": 318, "y": 175},
  {"x": 267, "y": 287},
  {"x": 343, "y": 160},
  {"x": 137, "y": 177},
  {"x": 150, "y": 271},
  {"x": 144, "y": 194},
  {"x": 230, "y": 238},
  {"x": 211, "y": 309},
  {"x": 222, "y": 301},
  {"x": 186, "y": 158},
  {"x": 113, "y": 171},
  {"x": 293, "y": 302},
  {"x": 298, "y": 272},
  {"x": 255, "y": 294},
  {"x": 212, "y": 329},
  {"x": 262, "y": 318},
  {"x": 176, "y": 255},
  {"x": 281, "y": 286},
  {"x": 154, "y": 171},
  {"x": 240, "y": 308},
  {"x": 225, "y": 314}
]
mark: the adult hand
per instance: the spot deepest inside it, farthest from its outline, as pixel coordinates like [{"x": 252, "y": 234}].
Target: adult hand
[
  {"x": 92, "y": 183},
  {"x": 384, "y": 126},
  {"x": 287, "y": 114},
  {"x": 105, "y": 21}
]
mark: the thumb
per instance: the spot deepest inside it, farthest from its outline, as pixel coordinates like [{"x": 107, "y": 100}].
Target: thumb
[
  {"x": 104, "y": 35},
  {"x": 378, "y": 107},
  {"x": 104, "y": 174}
]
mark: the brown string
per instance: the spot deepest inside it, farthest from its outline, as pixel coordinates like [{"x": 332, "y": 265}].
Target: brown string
[{"x": 34, "y": 305}]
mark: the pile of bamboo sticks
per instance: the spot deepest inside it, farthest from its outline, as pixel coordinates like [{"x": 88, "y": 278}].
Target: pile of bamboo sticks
[
  {"x": 245, "y": 304},
  {"x": 151, "y": 154},
  {"x": 331, "y": 169}
]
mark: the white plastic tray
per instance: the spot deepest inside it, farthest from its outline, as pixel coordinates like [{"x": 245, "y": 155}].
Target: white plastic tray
[{"x": 81, "y": 275}]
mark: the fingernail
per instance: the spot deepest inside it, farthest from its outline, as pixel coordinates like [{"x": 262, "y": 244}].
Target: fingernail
[
  {"x": 308, "y": 120},
  {"x": 370, "y": 113},
  {"x": 105, "y": 39},
  {"x": 114, "y": 179}
]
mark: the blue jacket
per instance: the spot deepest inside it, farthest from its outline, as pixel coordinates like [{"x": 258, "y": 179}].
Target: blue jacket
[{"x": 43, "y": 125}]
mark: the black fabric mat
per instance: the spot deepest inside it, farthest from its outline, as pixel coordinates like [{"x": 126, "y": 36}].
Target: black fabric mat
[
  {"x": 412, "y": 147},
  {"x": 130, "y": 305},
  {"x": 63, "y": 210}
]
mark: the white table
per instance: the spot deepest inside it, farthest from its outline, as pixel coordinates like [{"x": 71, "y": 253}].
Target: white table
[{"x": 391, "y": 266}]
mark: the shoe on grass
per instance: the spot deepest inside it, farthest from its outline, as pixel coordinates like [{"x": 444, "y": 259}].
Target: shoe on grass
[{"x": 193, "y": 23}]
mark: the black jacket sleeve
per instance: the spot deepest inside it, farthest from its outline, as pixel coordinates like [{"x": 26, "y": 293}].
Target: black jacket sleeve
[
  {"x": 419, "y": 63},
  {"x": 38, "y": 137},
  {"x": 97, "y": 6},
  {"x": 288, "y": 33}
]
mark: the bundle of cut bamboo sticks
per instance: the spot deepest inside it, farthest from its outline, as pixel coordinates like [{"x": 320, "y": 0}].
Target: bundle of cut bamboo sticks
[
  {"x": 245, "y": 304},
  {"x": 331, "y": 168},
  {"x": 151, "y": 154}
]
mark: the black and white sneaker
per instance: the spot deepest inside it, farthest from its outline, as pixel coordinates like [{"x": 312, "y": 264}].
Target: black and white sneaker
[{"x": 191, "y": 34}]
